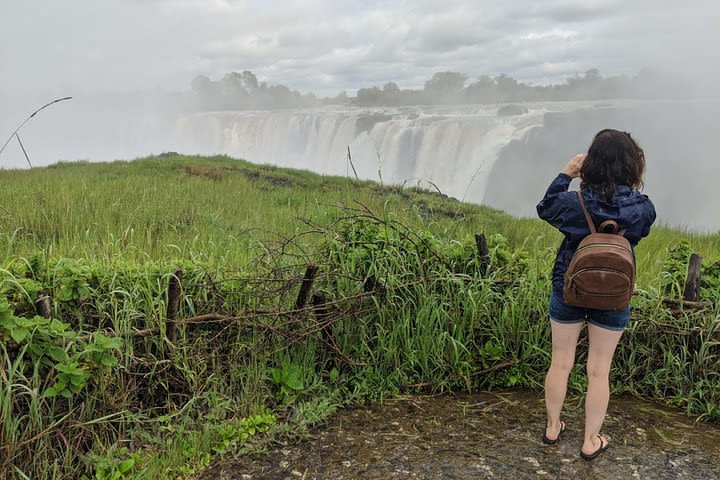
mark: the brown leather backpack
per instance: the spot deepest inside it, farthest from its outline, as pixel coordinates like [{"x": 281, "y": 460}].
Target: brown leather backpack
[{"x": 601, "y": 274}]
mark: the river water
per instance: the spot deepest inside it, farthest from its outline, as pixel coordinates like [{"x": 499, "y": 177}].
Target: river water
[{"x": 489, "y": 435}]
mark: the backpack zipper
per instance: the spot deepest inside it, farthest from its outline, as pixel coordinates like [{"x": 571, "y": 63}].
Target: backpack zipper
[
  {"x": 602, "y": 245},
  {"x": 597, "y": 294},
  {"x": 600, "y": 268}
]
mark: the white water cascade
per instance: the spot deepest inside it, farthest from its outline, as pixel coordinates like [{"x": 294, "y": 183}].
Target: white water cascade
[
  {"x": 468, "y": 152},
  {"x": 454, "y": 149}
]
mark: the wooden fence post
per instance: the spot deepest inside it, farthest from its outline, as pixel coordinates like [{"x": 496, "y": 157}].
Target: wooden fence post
[
  {"x": 692, "y": 282},
  {"x": 374, "y": 286},
  {"x": 319, "y": 304},
  {"x": 483, "y": 253},
  {"x": 43, "y": 305},
  {"x": 322, "y": 312},
  {"x": 307, "y": 283},
  {"x": 173, "y": 305}
]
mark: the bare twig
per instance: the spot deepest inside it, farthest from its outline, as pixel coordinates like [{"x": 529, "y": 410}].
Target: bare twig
[
  {"x": 349, "y": 157},
  {"x": 23, "y": 149},
  {"x": 28, "y": 119},
  {"x": 687, "y": 304},
  {"x": 442, "y": 195}
]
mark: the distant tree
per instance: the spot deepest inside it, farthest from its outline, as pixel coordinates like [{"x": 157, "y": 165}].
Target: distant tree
[
  {"x": 391, "y": 93},
  {"x": 483, "y": 81},
  {"x": 280, "y": 95},
  {"x": 206, "y": 91},
  {"x": 391, "y": 88},
  {"x": 341, "y": 98},
  {"x": 444, "y": 86},
  {"x": 509, "y": 89},
  {"x": 242, "y": 90},
  {"x": 250, "y": 81},
  {"x": 369, "y": 96},
  {"x": 593, "y": 74},
  {"x": 480, "y": 91},
  {"x": 202, "y": 85}
]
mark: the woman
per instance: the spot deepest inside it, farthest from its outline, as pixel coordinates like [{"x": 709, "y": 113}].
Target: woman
[{"x": 611, "y": 173}]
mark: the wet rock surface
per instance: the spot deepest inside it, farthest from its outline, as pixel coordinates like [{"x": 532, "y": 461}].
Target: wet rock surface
[
  {"x": 488, "y": 436},
  {"x": 511, "y": 109}
]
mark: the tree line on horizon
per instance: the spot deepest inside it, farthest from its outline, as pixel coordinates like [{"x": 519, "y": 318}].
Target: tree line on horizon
[{"x": 239, "y": 91}]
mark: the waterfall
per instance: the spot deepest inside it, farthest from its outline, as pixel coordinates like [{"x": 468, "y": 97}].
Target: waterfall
[
  {"x": 469, "y": 152},
  {"x": 455, "y": 150}
]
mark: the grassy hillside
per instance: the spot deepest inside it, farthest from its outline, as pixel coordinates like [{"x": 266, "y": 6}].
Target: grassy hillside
[
  {"x": 107, "y": 385},
  {"x": 220, "y": 208}
]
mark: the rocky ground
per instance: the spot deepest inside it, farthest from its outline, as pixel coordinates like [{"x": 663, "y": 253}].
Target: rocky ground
[{"x": 492, "y": 435}]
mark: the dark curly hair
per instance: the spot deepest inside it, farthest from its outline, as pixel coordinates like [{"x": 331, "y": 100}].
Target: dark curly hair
[{"x": 613, "y": 159}]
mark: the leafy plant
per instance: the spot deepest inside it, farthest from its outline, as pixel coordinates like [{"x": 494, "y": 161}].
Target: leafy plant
[
  {"x": 71, "y": 288},
  {"x": 674, "y": 273},
  {"x": 489, "y": 354},
  {"x": 71, "y": 379},
  {"x": 20, "y": 290},
  {"x": 234, "y": 434},
  {"x": 288, "y": 380},
  {"x": 674, "y": 269},
  {"x": 710, "y": 281},
  {"x": 117, "y": 464},
  {"x": 42, "y": 336},
  {"x": 98, "y": 353}
]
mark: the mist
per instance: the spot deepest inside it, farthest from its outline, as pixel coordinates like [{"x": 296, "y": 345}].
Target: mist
[{"x": 410, "y": 88}]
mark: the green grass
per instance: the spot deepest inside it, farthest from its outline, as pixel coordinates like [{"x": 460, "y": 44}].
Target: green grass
[
  {"x": 103, "y": 240},
  {"x": 219, "y": 208}
]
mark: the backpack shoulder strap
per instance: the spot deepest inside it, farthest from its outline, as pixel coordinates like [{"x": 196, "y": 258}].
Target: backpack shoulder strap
[{"x": 587, "y": 214}]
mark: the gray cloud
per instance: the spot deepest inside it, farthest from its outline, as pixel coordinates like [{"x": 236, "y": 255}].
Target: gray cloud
[{"x": 328, "y": 46}]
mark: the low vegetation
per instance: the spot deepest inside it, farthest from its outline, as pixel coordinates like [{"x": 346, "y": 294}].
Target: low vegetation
[{"x": 107, "y": 388}]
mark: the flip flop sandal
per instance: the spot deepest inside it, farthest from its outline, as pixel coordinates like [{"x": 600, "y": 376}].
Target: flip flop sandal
[
  {"x": 547, "y": 441},
  {"x": 603, "y": 446}
]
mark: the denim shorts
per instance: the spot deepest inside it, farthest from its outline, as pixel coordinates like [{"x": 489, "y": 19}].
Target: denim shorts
[{"x": 608, "y": 319}]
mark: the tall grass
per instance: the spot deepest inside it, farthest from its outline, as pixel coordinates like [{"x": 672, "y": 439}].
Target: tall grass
[
  {"x": 220, "y": 208},
  {"x": 409, "y": 309}
]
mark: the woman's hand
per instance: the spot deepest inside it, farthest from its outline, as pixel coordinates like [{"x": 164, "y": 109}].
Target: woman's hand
[{"x": 572, "y": 169}]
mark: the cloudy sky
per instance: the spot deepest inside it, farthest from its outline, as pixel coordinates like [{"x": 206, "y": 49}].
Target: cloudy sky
[{"x": 74, "y": 46}]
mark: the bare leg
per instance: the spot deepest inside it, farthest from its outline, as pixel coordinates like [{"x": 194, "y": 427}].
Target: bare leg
[
  {"x": 600, "y": 354},
  {"x": 564, "y": 340}
]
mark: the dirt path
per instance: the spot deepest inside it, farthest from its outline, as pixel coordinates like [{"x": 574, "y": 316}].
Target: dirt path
[{"x": 488, "y": 436}]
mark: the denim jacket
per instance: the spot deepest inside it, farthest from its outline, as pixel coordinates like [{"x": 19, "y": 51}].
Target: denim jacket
[{"x": 633, "y": 212}]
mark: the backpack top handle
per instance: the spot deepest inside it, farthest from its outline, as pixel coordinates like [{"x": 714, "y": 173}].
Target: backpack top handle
[{"x": 609, "y": 226}]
